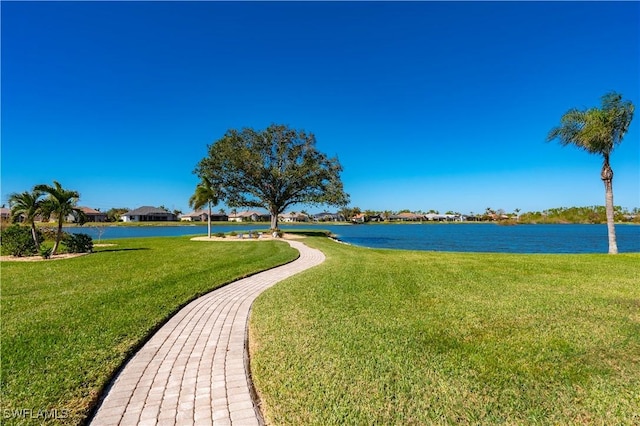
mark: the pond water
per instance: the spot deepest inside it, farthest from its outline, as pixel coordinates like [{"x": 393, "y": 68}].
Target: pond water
[
  {"x": 436, "y": 237},
  {"x": 495, "y": 238}
]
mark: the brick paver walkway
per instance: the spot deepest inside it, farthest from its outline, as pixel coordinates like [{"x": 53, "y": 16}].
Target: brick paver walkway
[{"x": 194, "y": 370}]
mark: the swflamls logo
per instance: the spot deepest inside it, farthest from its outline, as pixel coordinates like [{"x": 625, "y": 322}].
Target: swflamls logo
[{"x": 30, "y": 413}]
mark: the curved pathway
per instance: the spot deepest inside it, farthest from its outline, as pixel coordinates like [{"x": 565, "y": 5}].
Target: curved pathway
[{"x": 194, "y": 370}]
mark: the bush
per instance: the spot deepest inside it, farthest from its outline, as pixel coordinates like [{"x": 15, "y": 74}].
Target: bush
[
  {"x": 49, "y": 234},
  {"x": 220, "y": 235},
  {"x": 78, "y": 243},
  {"x": 18, "y": 241},
  {"x": 46, "y": 252}
]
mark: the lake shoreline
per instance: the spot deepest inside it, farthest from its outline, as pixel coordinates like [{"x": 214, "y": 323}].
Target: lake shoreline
[{"x": 442, "y": 237}]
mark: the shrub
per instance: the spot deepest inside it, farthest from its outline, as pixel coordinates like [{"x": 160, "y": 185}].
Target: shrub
[
  {"x": 17, "y": 241},
  {"x": 220, "y": 235},
  {"x": 49, "y": 234},
  {"x": 78, "y": 243},
  {"x": 233, "y": 233},
  {"x": 46, "y": 252}
]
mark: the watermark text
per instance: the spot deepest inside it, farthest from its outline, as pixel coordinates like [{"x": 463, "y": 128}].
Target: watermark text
[{"x": 32, "y": 413}]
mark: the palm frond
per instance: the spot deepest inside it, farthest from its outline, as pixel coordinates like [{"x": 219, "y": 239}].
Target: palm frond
[{"x": 596, "y": 130}]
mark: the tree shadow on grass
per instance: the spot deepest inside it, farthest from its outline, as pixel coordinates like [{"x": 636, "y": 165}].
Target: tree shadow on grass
[{"x": 107, "y": 250}]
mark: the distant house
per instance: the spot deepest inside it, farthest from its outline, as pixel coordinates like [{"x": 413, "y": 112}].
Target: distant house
[
  {"x": 444, "y": 217},
  {"x": 328, "y": 217},
  {"x": 359, "y": 218},
  {"x": 406, "y": 217},
  {"x": 364, "y": 217},
  {"x": 249, "y": 216},
  {"x": 376, "y": 218},
  {"x": 293, "y": 217},
  {"x": 148, "y": 214},
  {"x": 202, "y": 216},
  {"x": 92, "y": 215},
  {"x": 5, "y": 213}
]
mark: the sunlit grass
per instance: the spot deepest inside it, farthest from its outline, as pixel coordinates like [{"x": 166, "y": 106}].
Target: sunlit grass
[
  {"x": 402, "y": 337},
  {"x": 67, "y": 325}
]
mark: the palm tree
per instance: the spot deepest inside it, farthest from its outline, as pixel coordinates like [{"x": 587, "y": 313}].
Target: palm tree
[
  {"x": 598, "y": 131},
  {"x": 205, "y": 194},
  {"x": 60, "y": 202},
  {"x": 27, "y": 205}
]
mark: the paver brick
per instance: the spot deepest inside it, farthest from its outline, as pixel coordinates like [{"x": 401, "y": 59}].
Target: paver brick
[
  {"x": 222, "y": 413},
  {"x": 239, "y": 406},
  {"x": 192, "y": 371}
]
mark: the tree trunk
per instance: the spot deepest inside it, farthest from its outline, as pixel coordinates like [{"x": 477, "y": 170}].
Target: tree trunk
[
  {"x": 209, "y": 222},
  {"x": 34, "y": 234},
  {"x": 607, "y": 179},
  {"x": 274, "y": 220},
  {"x": 58, "y": 237}
]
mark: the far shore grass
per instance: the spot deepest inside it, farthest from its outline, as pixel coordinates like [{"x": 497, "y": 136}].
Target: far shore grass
[
  {"x": 67, "y": 325},
  {"x": 395, "y": 337}
]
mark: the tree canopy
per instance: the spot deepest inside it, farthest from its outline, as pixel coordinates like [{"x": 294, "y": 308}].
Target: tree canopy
[
  {"x": 273, "y": 168},
  {"x": 596, "y": 130}
]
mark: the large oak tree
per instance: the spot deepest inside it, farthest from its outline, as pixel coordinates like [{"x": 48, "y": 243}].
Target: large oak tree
[
  {"x": 598, "y": 131},
  {"x": 272, "y": 168}
]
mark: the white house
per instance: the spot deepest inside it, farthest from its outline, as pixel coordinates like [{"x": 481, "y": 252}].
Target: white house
[
  {"x": 148, "y": 214},
  {"x": 202, "y": 216},
  {"x": 249, "y": 216},
  {"x": 293, "y": 217}
]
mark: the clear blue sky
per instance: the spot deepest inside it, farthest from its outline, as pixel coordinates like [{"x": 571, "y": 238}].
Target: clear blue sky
[{"x": 428, "y": 105}]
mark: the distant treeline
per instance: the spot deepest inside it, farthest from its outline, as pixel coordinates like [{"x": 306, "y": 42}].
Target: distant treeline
[{"x": 592, "y": 214}]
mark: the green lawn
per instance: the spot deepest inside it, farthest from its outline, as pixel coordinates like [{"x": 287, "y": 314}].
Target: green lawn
[
  {"x": 410, "y": 338},
  {"x": 368, "y": 337},
  {"x": 68, "y": 324}
]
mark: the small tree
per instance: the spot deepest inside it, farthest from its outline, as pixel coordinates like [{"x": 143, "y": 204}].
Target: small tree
[
  {"x": 27, "y": 205},
  {"x": 99, "y": 230},
  {"x": 61, "y": 203},
  {"x": 598, "y": 131},
  {"x": 205, "y": 194},
  {"x": 113, "y": 214},
  {"x": 273, "y": 169}
]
